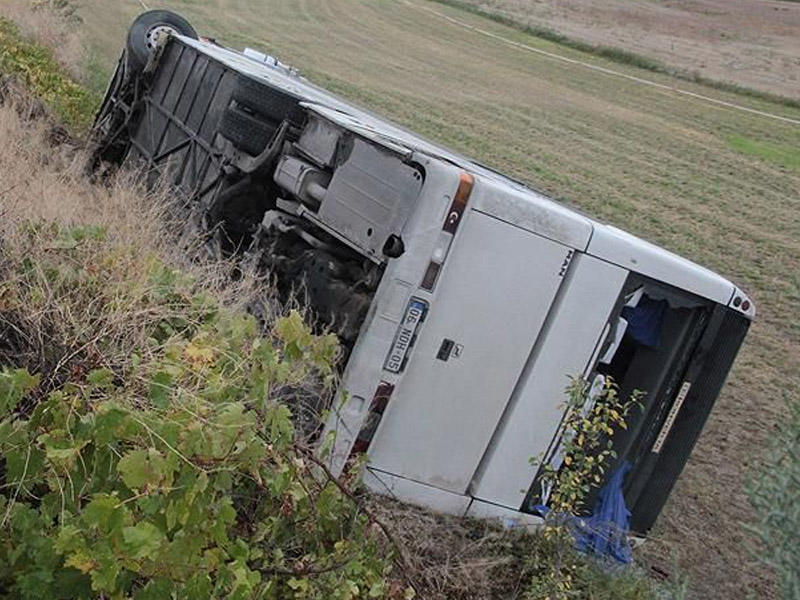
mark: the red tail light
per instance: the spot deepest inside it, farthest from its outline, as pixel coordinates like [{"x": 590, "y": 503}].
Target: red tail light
[{"x": 376, "y": 409}]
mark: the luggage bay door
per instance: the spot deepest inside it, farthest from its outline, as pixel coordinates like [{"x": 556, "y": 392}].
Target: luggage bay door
[{"x": 491, "y": 301}]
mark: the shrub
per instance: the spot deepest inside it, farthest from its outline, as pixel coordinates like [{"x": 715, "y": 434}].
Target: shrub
[
  {"x": 774, "y": 495},
  {"x": 176, "y": 473},
  {"x": 589, "y": 426},
  {"x": 37, "y": 67}
]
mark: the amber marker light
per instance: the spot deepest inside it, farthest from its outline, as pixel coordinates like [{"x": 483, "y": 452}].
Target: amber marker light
[{"x": 459, "y": 204}]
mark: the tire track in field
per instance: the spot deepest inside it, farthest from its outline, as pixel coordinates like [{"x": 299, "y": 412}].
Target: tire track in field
[
  {"x": 600, "y": 69},
  {"x": 351, "y": 29}
]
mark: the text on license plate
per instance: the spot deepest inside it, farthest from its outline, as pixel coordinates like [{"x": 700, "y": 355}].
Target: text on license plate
[{"x": 415, "y": 314}]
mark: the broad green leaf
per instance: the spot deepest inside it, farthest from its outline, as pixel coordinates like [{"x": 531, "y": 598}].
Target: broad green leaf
[
  {"x": 60, "y": 449},
  {"x": 106, "y": 512},
  {"x": 279, "y": 422},
  {"x": 160, "y": 389},
  {"x": 101, "y": 378},
  {"x": 113, "y": 423},
  {"x": 24, "y": 462},
  {"x": 14, "y": 385},
  {"x": 70, "y": 539},
  {"x": 143, "y": 469},
  {"x": 107, "y": 569},
  {"x": 81, "y": 560},
  {"x": 159, "y": 589},
  {"x": 143, "y": 540}
]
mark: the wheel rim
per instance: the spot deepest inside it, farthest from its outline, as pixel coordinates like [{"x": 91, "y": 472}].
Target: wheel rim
[{"x": 157, "y": 34}]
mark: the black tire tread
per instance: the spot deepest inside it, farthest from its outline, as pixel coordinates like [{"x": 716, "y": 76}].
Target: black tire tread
[
  {"x": 266, "y": 101},
  {"x": 135, "y": 44},
  {"x": 245, "y": 131}
]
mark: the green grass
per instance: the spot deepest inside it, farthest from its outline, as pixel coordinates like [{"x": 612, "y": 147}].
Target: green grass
[
  {"x": 95, "y": 73},
  {"x": 773, "y": 493},
  {"x": 783, "y": 155},
  {"x": 36, "y": 67}
]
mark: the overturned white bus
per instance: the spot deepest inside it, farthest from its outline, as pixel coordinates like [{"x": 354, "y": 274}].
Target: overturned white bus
[{"x": 464, "y": 298}]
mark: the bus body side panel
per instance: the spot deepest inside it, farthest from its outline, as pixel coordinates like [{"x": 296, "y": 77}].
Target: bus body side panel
[{"x": 174, "y": 136}]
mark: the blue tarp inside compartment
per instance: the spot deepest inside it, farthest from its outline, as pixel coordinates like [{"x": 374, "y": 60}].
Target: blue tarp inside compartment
[
  {"x": 605, "y": 532},
  {"x": 646, "y": 320}
]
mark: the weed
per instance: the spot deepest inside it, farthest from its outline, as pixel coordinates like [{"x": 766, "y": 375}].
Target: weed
[
  {"x": 586, "y": 449},
  {"x": 177, "y": 471},
  {"x": 39, "y": 70},
  {"x": 773, "y": 492}
]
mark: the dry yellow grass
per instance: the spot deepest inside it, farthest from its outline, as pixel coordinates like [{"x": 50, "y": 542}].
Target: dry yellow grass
[
  {"x": 43, "y": 178},
  {"x": 44, "y": 189}
]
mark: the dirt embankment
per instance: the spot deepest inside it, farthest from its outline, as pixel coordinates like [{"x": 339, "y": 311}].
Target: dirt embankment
[{"x": 752, "y": 43}]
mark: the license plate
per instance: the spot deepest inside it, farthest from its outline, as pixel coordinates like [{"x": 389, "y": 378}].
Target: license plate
[{"x": 415, "y": 313}]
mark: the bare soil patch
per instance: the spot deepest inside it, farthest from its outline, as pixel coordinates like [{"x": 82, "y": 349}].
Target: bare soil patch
[{"x": 752, "y": 43}]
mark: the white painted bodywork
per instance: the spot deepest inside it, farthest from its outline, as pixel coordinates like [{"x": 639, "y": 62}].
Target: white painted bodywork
[
  {"x": 438, "y": 404},
  {"x": 632, "y": 253},
  {"x": 412, "y": 492},
  {"x": 535, "y": 409},
  {"x": 526, "y": 290},
  {"x": 401, "y": 280}
]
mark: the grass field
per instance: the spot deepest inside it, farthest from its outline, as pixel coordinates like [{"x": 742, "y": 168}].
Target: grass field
[
  {"x": 717, "y": 185},
  {"x": 751, "y": 43}
]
